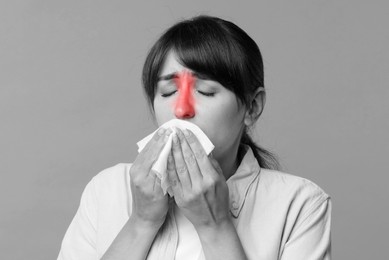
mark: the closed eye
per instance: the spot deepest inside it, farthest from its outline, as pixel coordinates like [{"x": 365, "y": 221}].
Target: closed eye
[
  {"x": 168, "y": 94},
  {"x": 207, "y": 94}
]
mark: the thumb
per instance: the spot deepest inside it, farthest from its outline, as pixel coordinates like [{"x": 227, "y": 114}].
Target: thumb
[{"x": 215, "y": 164}]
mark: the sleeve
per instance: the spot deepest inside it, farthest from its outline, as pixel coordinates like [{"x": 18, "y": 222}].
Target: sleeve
[
  {"x": 80, "y": 238},
  {"x": 311, "y": 238}
]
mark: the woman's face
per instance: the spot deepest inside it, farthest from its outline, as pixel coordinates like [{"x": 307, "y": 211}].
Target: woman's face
[{"x": 205, "y": 103}]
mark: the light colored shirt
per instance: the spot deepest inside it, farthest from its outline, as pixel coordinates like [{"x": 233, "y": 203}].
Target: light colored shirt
[{"x": 276, "y": 215}]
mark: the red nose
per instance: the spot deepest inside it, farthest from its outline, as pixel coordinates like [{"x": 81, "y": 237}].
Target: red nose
[{"x": 184, "y": 107}]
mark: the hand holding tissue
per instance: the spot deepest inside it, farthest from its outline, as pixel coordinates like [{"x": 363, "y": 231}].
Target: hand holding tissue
[{"x": 160, "y": 165}]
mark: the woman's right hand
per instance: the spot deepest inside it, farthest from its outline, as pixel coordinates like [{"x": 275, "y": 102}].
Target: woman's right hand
[{"x": 150, "y": 205}]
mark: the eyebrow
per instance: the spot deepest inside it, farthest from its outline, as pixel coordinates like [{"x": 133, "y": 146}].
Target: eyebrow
[
  {"x": 168, "y": 76},
  {"x": 174, "y": 75}
]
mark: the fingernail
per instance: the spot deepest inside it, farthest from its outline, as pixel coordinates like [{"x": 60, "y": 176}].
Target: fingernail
[
  {"x": 161, "y": 131},
  {"x": 168, "y": 132}
]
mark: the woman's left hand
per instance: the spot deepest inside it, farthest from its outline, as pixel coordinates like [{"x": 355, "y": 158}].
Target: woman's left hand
[{"x": 199, "y": 187}]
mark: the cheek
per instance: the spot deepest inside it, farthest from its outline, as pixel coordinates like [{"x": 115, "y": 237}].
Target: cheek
[
  {"x": 222, "y": 109},
  {"x": 163, "y": 110},
  {"x": 222, "y": 121}
]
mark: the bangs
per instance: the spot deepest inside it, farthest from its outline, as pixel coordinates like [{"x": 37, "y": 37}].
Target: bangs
[{"x": 212, "y": 52}]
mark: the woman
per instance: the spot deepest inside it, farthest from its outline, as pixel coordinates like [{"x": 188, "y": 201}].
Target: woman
[{"x": 233, "y": 204}]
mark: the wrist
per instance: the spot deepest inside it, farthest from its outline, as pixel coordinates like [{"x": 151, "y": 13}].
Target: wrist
[
  {"x": 221, "y": 241},
  {"x": 144, "y": 226},
  {"x": 212, "y": 231}
]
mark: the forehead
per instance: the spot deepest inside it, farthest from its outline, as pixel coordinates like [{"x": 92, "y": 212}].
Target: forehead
[{"x": 171, "y": 65}]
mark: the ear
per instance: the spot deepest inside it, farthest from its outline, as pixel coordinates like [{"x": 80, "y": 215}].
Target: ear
[{"x": 256, "y": 107}]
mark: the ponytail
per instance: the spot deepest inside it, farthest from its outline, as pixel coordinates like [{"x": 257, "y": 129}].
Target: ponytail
[{"x": 265, "y": 158}]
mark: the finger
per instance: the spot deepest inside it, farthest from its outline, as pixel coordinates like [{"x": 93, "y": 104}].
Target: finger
[
  {"x": 180, "y": 165},
  {"x": 156, "y": 183},
  {"x": 157, "y": 138},
  {"x": 150, "y": 153},
  {"x": 190, "y": 160},
  {"x": 203, "y": 162},
  {"x": 175, "y": 184}
]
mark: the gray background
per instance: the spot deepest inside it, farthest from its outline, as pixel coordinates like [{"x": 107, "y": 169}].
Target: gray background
[{"x": 71, "y": 105}]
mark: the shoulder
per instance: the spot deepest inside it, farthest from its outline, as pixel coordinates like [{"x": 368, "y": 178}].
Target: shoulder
[
  {"x": 111, "y": 180},
  {"x": 113, "y": 173},
  {"x": 301, "y": 211},
  {"x": 290, "y": 183},
  {"x": 296, "y": 192}
]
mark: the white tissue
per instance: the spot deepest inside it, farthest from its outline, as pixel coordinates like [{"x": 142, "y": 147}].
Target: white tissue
[{"x": 160, "y": 165}]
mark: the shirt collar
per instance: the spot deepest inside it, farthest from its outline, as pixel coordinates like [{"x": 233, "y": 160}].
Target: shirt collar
[{"x": 239, "y": 183}]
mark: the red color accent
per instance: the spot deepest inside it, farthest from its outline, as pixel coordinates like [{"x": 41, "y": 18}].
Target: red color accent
[{"x": 184, "y": 107}]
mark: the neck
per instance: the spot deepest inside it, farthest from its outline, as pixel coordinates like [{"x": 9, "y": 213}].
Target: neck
[{"x": 229, "y": 163}]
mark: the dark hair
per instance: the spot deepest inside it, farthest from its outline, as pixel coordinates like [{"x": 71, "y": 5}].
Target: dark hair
[{"x": 221, "y": 51}]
